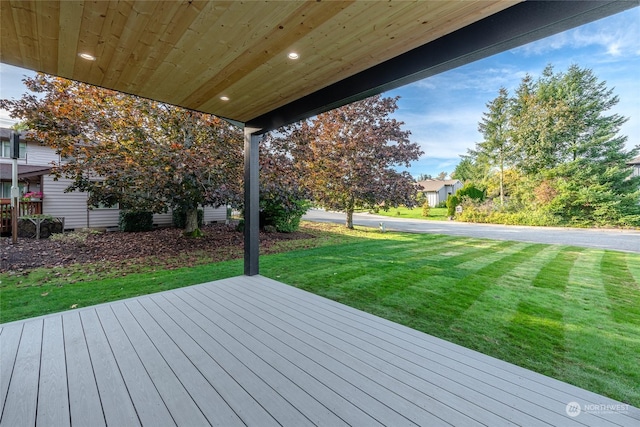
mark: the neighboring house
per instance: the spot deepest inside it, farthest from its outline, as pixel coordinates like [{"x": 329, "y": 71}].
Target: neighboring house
[
  {"x": 635, "y": 164},
  {"x": 437, "y": 190},
  {"x": 34, "y": 166}
]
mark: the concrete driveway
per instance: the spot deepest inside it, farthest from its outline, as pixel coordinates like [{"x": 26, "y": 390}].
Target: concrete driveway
[{"x": 619, "y": 240}]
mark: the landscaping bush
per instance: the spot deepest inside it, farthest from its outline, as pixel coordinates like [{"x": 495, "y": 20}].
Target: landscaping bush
[
  {"x": 179, "y": 217},
  {"x": 452, "y": 202},
  {"x": 488, "y": 212},
  {"x": 425, "y": 208},
  {"x": 471, "y": 191},
  {"x": 284, "y": 219},
  {"x": 135, "y": 221}
]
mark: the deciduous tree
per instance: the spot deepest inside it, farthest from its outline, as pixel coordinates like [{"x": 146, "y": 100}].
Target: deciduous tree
[
  {"x": 349, "y": 157},
  {"x": 145, "y": 155}
]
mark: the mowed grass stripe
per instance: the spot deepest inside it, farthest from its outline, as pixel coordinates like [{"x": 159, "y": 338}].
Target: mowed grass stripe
[
  {"x": 450, "y": 306},
  {"x": 543, "y": 307},
  {"x": 621, "y": 288},
  {"x": 554, "y": 274},
  {"x": 600, "y": 352},
  {"x": 498, "y": 306}
]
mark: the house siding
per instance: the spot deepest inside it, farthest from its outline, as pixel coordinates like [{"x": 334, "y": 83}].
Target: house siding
[
  {"x": 70, "y": 206},
  {"x": 40, "y": 155},
  {"x": 73, "y": 207},
  {"x": 435, "y": 197}
]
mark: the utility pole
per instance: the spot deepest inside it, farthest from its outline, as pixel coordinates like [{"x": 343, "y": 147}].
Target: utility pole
[{"x": 15, "y": 190}]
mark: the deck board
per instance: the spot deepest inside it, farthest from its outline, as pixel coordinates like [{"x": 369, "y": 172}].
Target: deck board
[
  {"x": 53, "y": 400},
  {"x": 149, "y": 407},
  {"x": 205, "y": 397},
  {"x": 253, "y": 351},
  {"x": 9, "y": 342},
  {"x": 22, "y": 395},
  {"x": 459, "y": 385},
  {"x": 470, "y": 363},
  {"x": 85, "y": 407},
  {"x": 117, "y": 404}
]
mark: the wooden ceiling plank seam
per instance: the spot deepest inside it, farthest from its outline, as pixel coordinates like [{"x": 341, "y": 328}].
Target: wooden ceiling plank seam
[
  {"x": 224, "y": 54},
  {"x": 92, "y": 22},
  {"x": 69, "y": 23},
  {"x": 517, "y": 25},
  {"x": 349, "y": 56},
  {"x": 130, "y": 50},
  {"x": 172, "y": 31},
  {"x": 479, "y": 10},
  {"x": 9, "y": 54},
  {"x": 47, "y": 13},
  {"x": 355, "y": 16},
  {"x": 266, "y": 23},
  {"x": 259, "y": 29},
  {"x": 246, "y": 62},
  {"x": 110, "y": 40},
  {"x": 151, "y": 41},
  {"x": 164, "y": 75},
  {"x": 24, "y": 16},
  {"x": 465, "y": 15}
]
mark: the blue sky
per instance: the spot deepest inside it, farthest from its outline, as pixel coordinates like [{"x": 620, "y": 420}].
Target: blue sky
[{"x": 442, "y": 112}]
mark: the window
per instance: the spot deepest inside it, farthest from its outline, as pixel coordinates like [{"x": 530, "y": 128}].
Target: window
[
  {"x": 103, "y": 206},
  {"x": 5, "y": 150},
  {"x": 5, "y": 190}
]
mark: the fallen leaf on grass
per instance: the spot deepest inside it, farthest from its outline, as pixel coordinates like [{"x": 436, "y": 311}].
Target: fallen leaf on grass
[
  {"x": 44, "y": 294},
  {"x": 74, "y": 306}
]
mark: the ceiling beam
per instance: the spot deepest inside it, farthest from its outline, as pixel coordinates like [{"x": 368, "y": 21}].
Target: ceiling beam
[{"x": 518, "y": 25}]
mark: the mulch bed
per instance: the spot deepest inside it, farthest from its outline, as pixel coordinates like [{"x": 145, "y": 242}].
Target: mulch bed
[{"x": 160, "y": 246}]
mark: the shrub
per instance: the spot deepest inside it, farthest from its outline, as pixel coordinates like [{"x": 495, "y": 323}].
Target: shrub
[
  {"x": 452, "y": 202},
  {"x": 425, "y": 208},
  {"x": 487, "y": 212},
  {"x": 135, "y": 221},
  {"x": 284, "y": 219},
  {"x": 471, "y": 191}
]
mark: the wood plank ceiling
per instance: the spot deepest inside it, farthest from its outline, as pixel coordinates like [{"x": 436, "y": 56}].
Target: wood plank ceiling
[{"x": 192, "y": 53}]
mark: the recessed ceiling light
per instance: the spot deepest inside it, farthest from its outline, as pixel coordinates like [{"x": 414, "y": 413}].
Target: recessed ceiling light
[
  {"x": 293, "y": 55},
  {"x": 87, "y": 56},
  {"x": 224, "y": 98}
]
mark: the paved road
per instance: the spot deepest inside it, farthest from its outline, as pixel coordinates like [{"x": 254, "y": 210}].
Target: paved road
[{"x": 621, "y": 240}]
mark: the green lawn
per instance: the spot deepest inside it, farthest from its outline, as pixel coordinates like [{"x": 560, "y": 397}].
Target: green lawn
[
  {"x": 567, "y": 312},
  {"x": 435, "y": 214}
]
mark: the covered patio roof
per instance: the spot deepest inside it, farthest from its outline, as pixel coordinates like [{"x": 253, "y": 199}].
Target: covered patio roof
[
  {"x": 24, "y": 171},
  {"x": 233, "y": 59},
  {"x": 194, "y": 53}
]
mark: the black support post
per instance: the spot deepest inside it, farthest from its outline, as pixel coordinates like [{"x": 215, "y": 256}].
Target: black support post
[{"x": 251, "y": 202}]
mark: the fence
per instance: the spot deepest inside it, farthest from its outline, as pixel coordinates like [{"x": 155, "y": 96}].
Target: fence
[{"x": 25, "y": 209}]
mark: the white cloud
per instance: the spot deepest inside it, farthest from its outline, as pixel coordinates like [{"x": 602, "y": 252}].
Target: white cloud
[{"x": 616, "y": 36}]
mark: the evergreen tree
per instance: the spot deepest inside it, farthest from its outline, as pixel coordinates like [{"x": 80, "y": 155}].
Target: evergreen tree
[
  {"x": 494, "y": 127},
  {"x": 565, "y": 137}
]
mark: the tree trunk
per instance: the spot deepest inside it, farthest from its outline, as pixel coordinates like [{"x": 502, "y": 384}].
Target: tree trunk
[
  {"x": 501, "y": 185},
  {"x": 191, "y": 223},
  {"x": 349, "y": 223}
]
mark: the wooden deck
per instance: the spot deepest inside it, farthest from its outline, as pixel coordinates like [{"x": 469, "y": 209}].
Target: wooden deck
[{"x": 253, "y": 351}]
